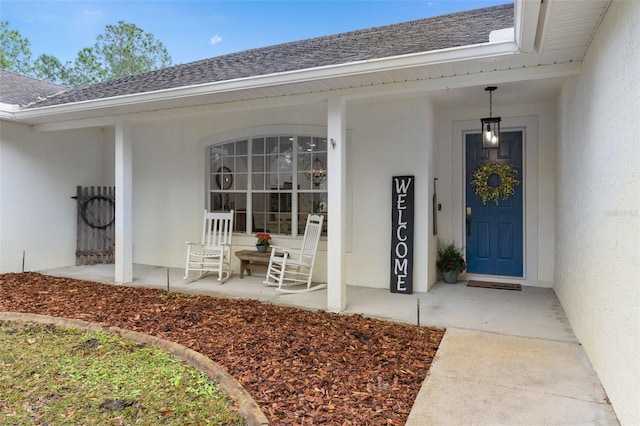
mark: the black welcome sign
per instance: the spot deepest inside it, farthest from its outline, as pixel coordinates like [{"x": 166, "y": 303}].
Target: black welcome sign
[{"x": 402, "y": 206}]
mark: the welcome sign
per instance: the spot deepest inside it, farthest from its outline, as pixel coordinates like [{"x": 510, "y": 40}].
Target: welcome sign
[{"x": 402, "y": 206}]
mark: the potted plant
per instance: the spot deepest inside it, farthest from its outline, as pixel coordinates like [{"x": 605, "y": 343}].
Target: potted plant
[
  {"x": 262, "y": 245},
  {"x": 450, "y": 262}
]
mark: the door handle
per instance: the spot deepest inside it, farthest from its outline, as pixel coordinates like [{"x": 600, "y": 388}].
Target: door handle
[{"x": 468, "y": 221}]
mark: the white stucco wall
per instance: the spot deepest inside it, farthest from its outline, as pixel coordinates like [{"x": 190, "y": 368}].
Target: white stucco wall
[
  {"x": 598, "y": 246},
  {"x": 39, "y": 173},
  {"x": 387, "y": 138},
  {"x": 539, "y": 123}
]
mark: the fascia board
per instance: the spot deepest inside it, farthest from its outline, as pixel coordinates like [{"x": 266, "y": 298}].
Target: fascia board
[
  {"x": 527, "y": 13},
  {"x": 7, "y": 111},
  {"x": 474, "y": 52}
]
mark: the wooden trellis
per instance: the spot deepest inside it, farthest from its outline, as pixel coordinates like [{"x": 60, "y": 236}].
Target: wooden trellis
[{"x": 96, "y": 230}]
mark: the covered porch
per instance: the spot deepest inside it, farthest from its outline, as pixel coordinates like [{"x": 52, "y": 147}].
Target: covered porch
[{"x": 534, "y": 312}]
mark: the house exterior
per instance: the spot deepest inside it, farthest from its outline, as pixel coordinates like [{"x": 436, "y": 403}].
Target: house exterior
[{"x": 323, "y": 126}]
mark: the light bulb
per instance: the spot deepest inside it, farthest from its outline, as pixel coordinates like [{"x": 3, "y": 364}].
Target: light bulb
[{"x": 488, "y": 133}]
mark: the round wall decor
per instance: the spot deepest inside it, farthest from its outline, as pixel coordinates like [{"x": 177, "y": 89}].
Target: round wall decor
[
  {"x": 493, "y": 181},
  {"x": 224, "y": 178},
  {"x": 90, "y": 208}
]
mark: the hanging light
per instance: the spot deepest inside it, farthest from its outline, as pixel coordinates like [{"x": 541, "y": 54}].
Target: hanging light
[
  {"x": 490, "y": 125},
  {"x": 316, "y": 172}
]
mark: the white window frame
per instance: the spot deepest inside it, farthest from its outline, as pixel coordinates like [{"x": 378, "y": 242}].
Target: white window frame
[{"x": 286, "y": 131}]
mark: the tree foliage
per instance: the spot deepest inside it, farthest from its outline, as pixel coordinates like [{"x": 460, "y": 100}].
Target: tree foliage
[
  {"x": 120, "y": 51},
  {"x": 49, "y": 68},
  {"x": 15, "y": 54},
  {"x": 124, "y": 50}
]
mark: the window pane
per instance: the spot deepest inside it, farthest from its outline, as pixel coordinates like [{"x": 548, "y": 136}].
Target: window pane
[
  {"x": 219, "y": 202},
  {"x": 286, "y": 144},
  {"x": 240, "y": 181},
  {"x": 241, "y": 148},
  {"x": 258, "y": 182},
  {"x": 304, "y": 162},
  {"x": 272, "y": 163},
  {"x": 240, "y": 219},
  {"x": 229, "y": 148},
  {"x": 305, "y": 144},
  {"x": 257, "y": 163},
  {"x": 321, "y": 144},
  {"x": 260, "y": 213},
  {"x": 272, "y": 145},
  {"x": 257, "y": 146},
  {"x": 272, "y": 181}
]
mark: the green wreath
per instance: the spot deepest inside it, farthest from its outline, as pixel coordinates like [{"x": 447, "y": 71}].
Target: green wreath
[{"x": 507, "y": 181}]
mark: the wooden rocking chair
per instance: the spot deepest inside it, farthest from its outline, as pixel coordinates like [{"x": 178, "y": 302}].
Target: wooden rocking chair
[
  {"x": 290, "y": 267},
  {"x": 213, "y": 252}
]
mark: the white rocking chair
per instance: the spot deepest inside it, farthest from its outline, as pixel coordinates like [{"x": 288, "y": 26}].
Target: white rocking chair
[
  {"x": 213, "y": 252},
  {"x": 290, "y": 267}
]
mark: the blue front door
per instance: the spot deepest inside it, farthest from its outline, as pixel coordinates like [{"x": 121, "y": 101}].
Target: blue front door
[{"x": 494, "y": 233}]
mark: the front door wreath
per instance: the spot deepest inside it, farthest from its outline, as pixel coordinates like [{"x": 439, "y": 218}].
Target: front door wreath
[{"x": 493, "y": 181}]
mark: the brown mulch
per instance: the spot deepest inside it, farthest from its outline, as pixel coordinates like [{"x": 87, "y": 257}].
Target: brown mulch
[{"x": 302, "y": 367}]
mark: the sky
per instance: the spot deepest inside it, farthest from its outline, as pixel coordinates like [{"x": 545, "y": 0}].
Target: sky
[{"x": 197, "y": 29}]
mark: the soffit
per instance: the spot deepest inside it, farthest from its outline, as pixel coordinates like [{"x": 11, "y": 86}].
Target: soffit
[{"x": 569, "y": 26}]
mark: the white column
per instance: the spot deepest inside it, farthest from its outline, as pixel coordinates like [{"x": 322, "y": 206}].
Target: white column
[
  {"x": 124, "y": 189},
  {"x": 337, "y": 184}
]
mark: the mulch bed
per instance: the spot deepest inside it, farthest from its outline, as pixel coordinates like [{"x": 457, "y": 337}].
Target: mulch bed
[{"x": 302, "y": 367}]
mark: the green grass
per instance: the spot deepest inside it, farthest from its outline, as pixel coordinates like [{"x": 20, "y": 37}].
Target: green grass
[{"x": 51, "y": 375}]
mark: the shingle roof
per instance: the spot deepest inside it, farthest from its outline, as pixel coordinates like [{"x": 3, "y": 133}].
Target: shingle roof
[
  {"x": 424, "y": 35},
  {"x": 16, "y": 89}
]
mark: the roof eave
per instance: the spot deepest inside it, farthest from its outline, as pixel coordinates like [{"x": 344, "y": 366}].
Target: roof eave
[{"x": 146, "y": 100}]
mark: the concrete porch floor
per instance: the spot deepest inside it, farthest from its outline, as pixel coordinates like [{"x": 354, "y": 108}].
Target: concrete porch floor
[{"x": 508, "y": 357}]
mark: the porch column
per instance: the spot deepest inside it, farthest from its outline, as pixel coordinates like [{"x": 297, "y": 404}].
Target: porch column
[
  {"x": 336, "y": 181},
  {"x": 124, "y": 189}
]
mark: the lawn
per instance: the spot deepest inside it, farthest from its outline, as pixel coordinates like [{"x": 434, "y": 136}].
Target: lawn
[{"x": 53, "y": 375}]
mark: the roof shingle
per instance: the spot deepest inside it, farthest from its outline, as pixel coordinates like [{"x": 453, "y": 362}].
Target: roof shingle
[{"x": 16, "y": 89}]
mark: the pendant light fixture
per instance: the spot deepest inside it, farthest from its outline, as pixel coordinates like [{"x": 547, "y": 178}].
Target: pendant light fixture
[{"x": 490, "y": 125}]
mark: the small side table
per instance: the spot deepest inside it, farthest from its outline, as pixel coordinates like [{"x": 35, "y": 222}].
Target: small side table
[{"x": 253, "y": 260}]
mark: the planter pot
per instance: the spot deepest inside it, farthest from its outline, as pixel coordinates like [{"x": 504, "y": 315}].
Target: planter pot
[
  {"x": 450, "y": 277},
  {"x": 262, "y": 249}
]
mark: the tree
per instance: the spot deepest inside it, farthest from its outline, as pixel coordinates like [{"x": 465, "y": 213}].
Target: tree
[
  {"x": 49, "y": 68},
  {"x": 15, "y": 52},
  {"x": 86, "y": 69},
  {"x": 124, "y": 50}
]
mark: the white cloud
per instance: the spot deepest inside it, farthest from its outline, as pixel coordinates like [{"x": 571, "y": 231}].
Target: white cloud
[
  {"x": 92, "y": 14},
  {"x": 215, "y": 40}
]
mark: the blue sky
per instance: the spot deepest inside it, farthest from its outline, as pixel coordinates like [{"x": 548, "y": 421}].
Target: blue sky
[{"x": 199, "y": 29}]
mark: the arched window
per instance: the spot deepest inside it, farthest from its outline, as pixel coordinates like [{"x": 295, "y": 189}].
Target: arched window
[{"x": 271, "y": 182}]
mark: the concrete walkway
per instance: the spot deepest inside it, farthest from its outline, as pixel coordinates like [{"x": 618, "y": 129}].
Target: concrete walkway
[
  {"x": 507, "y": 358},
  {"x": 484, "y": 378}
]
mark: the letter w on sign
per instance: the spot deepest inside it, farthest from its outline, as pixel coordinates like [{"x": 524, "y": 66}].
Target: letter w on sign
[{"x": 402, "y": 204}]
